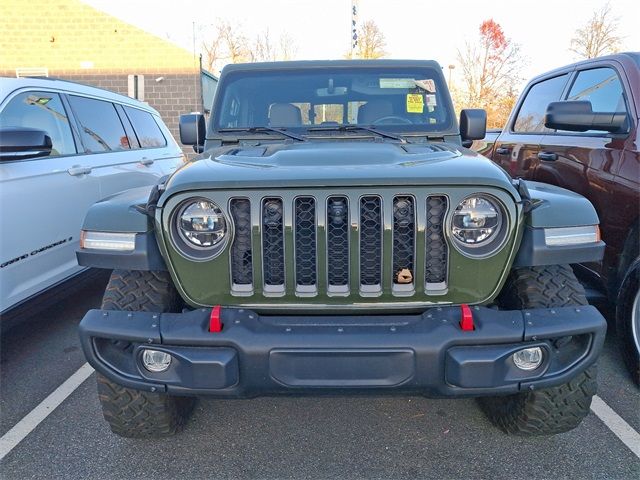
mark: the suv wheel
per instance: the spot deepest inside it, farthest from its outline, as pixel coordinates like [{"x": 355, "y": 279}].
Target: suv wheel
[
  {"x": 551, "y": 410},
  {"x": 137, "y": 413},
  {"x": 628, "y": 319}
]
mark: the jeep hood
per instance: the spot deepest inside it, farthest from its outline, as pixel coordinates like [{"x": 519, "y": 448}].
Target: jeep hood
[{"x": 318, "y": 164}]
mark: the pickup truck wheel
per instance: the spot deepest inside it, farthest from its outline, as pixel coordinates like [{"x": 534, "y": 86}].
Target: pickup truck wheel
[
  {"x": 628, "y": 319},
  {"x": 137, "y": 413},
  {"x": 551, "y": 410}
]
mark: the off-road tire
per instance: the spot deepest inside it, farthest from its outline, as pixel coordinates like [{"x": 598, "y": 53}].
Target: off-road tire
[
  {"x": 136, "y": 413},
  {"x": 551, "y": 410},
  {"x": 624, "y": 311}
]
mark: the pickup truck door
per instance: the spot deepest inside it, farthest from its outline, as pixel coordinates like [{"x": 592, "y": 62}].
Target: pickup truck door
[
  {"x": 587, "y": 162},
  {"x": 518, "y": 146}
]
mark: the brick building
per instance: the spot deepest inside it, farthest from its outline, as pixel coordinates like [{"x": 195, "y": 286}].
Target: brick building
[{"x": 70, "y": 40}]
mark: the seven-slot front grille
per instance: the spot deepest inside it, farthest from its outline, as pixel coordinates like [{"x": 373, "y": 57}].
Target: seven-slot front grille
[{"x": 336, "y": 245}]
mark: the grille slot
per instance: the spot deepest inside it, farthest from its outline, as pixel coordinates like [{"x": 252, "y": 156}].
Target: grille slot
[
  {"x": 404, "y": 241},
  {"x": 370, "y": 245},
  {"x": 437, "y": 253},
  {"x": 305, "y": 244},
  {"x": 272, "y": 214},
  {"x": 241, "y": 254},
  {"x": 338, "y": 244}
]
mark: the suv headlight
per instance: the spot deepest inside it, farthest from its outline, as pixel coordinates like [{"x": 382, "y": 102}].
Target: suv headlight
[
  {"x": 478, "y": 225},
  {"x": 199, "y": 229}
]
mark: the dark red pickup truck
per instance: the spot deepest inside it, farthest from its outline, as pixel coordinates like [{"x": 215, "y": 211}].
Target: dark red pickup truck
[{"x": 577, "y": 127}]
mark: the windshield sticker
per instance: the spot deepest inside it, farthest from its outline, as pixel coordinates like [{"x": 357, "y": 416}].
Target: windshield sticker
[
  {"x": 427, "y": 84},
  {"x": 397, "y": 83},
  {"x": 415, "y": 103},
  {"x": 431, "y": 100}
]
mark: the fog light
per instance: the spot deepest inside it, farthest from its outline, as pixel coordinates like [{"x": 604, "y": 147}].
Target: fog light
[
  {"x": 528, "y": 358},
  {"x": 156, "y": 361}
]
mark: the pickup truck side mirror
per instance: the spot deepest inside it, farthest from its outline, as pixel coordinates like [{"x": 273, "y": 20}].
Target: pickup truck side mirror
[
  {"x": 578, "y": 116},
  {"x": 473, "y": 125},
  {"x": 20, "y": 143},
  {"x": 193, "y": 130}
]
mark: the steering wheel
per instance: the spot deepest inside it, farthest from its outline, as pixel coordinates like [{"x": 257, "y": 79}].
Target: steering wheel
[{"x": 391, "y": 120}]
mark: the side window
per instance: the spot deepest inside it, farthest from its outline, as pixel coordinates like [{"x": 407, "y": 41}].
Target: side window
[
  {"x": 44, "y": 111},
  {"x": 147, "y": 130},
  {"x": 100, "y": 125},
  {"x": 600, "y": 86},
  {"x": 530, "y": 118}
]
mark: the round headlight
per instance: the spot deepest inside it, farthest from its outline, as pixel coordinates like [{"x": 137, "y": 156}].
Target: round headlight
[
  {"x": 477, "y": 225},
  {"x": 201, "y": 227}
]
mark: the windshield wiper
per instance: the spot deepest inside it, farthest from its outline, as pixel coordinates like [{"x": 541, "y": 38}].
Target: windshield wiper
[
  {"x": 262, "y": 130},
  {"x": 351, "y": 128}
]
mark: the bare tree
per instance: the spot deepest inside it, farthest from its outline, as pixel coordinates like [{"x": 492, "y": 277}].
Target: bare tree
[
  {"x": 371, "y": 41},
  {"x": 490, "y": 72},
  {"x": 230, "y": 45},
  {"x": 599, "y": 36}
]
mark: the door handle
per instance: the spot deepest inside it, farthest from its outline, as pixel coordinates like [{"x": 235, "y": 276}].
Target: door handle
[
  {"x": 503, "y": 151},
  {"x": 147, "y": 161},
  {"x": 547, "y": 156},
  {"x": 78, "y": 170}
]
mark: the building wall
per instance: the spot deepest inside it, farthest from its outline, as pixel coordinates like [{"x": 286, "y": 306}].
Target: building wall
[{"x": 76, "y": 42}]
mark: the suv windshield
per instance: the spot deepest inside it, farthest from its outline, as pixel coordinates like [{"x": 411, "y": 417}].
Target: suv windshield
[{"x": 310, "y": 100}]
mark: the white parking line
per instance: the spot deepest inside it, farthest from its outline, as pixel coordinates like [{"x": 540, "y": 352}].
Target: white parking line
[
  {"x": 616, "y": 424},
  {"x": 25, "y": 426}
]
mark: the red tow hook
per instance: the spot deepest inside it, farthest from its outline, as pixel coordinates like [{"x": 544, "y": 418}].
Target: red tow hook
[
  {"x": 466, "y": 319},
  {"x": 215, "y": 323}
]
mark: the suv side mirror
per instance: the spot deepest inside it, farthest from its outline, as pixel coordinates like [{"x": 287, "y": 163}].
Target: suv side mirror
[
  {"x": 20, "y": 143},
  {"x": 578, "y": 116},
  {"x": 473, "y": 125},
  {"x": 193, "y": 130}
]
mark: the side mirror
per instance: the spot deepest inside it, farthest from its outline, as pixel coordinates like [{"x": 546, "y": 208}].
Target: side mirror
[
  {"x": 578, "y": 116},
  {"x": 193, "y": 130},
  {"x": 20, "y": 143},
  {"x": 473, "y": 125}
]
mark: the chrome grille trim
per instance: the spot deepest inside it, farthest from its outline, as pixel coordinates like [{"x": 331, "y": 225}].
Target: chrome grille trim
[
  {"x": 273, "y": 250},
  {"x": 305, "y": 223},
  {"x": 338, "y": 245},
  {"x": 371, "y": 223},
  {"x": 403, "y": 244},
  {"x": 241, "y": 255},
  {"x": 437, "y": 248}
]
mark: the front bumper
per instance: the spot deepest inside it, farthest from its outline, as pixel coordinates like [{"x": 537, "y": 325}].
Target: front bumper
[{"x": 426, "y": 353}]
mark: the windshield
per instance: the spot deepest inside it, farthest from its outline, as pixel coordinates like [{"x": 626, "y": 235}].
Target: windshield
[{"x": 394, "y": 99}]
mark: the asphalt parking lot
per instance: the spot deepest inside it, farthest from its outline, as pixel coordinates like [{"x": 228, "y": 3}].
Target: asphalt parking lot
[{"x": 308, "y": 437}]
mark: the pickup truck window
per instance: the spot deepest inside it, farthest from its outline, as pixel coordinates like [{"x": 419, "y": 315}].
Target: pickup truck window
[
  {"x": 600, "y": 86},
  {"x": 398, "y": 99},
  {"x": 530, "y": 117},
  {"x": 44, "y": 111}
]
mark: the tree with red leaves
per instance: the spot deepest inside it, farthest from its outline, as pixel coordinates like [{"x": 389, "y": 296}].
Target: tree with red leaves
[{"x": 490, "y": 73}]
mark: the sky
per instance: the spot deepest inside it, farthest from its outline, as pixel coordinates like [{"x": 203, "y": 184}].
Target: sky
[{"x": 413, "y": 29}]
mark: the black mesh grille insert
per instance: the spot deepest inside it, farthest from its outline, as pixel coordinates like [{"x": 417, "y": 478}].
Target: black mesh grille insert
[
  {"x": 370, "y": 241},
  {"x": 338, "y": 241},
  {"x": 273, "y": 241},
  {"x": 305, "y": 244},
  {"x": 403, "y": 236},
  {"x": 436, "y": 254},
  {"x": 241, "y": 258}
]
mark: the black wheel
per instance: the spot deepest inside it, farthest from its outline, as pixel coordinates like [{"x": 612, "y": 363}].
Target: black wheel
[
  {"x": 136, "y": 413},
  {"x": 552, "y": 410},
  {"x": 628, "y": 319}
]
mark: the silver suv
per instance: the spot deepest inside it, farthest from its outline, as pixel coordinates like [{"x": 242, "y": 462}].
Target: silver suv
[{"x": 63, "y": 147}]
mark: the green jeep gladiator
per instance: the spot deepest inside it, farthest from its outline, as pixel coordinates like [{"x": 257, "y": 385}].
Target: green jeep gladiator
[{"x": 334, "y": 236}]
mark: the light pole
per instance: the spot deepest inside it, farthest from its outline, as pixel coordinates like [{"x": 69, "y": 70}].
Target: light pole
[{"x": 451, "y": 67}]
